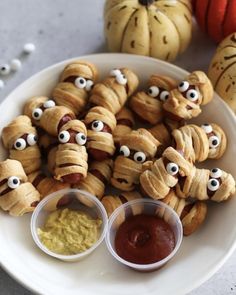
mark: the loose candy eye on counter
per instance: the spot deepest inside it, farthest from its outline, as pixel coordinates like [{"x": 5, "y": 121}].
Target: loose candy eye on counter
[{"x": 29, "y": 48}]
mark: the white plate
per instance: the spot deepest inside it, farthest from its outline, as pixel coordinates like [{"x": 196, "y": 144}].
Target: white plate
[{"x": 200, "y": 255}]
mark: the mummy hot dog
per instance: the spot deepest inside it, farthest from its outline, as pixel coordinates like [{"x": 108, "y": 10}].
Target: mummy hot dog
[
  {"x": 160, "y": 176},
  {"x": 20, "y": 138},
  {"x": 71, "y": 156},
  {"x": 198, "y": 144},
  {"x": 76, "y": 81},
  {"x": 113, "y": 92},
  {"x": 100, "y": 124},
  {"x": 135, "y": 148},
  {"x": 17, "y": 195},
  {"x": 185, "y": 101},
  {"x": 203, "y": 184},
  {"x": 148, "y": 104},
  {"x": 45, "y": 114}
]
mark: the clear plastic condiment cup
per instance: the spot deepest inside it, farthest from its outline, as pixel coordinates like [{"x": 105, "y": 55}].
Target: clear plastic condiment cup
[
  {"x": 73, "y": 199},
  {"x": 143, "y": 206}
]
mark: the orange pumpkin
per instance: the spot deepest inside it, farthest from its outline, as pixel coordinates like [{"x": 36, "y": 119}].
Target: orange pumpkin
[{"x": 216, "y": 17}]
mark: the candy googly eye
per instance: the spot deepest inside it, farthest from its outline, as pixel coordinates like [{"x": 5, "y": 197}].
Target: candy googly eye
[
  {"x": 31, "y": 139},
  {"x": 183, "y": 86},
  {"x": 97, "y": 125},
  {"x": 121, "y": 79},
  {"x": 64, "y": 136},
  {"x": 5, "y": 69},
  {"x": 80, "y": 138},
  {"x": 139, "y": 157},
  {"x": 153, "y": 91},
  {"x": 214, "y": 141},
  {"x": 89, "y": 85},
  {"x": 124, "y": 151},
  {"x": 115, "y": 72},
  {"x": 164, "y": 95},
  {"x": 49, "y": 104},
  {"x": 20, "y": 144},
  {"x": 37, "y": 113},
  {"x": 13, "y": 182},
  {"x": 172, "y": 168},
  {"x": 192, "y": 95},
  {"x": 213, "y": 184},
  {"x": 80, "y": 82},
  {"x": 207, "y": 128},
  {"x": 215, "y": 173}
]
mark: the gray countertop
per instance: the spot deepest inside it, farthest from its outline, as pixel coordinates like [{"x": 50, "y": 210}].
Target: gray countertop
[{"x": 63, "y": 29}]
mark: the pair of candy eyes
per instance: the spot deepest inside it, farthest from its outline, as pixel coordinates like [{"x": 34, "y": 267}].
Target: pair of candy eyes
[
  {"x": 139, "y": 157},
  {"x": 213, "y": 184},
  {"x": 82, "y": 83},
  {"x": 154, "y": 91},
  {"x": 120, "y": 77},
  {"x": 20, "y": 144},
  {"x": 191, "y": 94},
  {"x": 64, "y": 137},
  {"x": 214, "y": 140},
  {"x": 37, "y": 113}
]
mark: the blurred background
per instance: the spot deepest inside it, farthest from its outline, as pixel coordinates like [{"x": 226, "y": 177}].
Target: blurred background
[{"x": 63, "y": 29}]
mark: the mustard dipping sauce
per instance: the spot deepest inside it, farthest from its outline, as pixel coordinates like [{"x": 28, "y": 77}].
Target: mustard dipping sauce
[{"x": 69, "y": 232}]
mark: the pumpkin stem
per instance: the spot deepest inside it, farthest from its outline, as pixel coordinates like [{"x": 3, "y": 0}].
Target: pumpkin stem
[{"x": 146, "y": 2}]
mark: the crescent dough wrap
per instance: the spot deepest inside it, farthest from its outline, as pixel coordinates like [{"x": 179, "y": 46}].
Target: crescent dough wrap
[
  {"x": 179, "y": 106},
  {"x": 21, "y": 199},
  {"x": 100, "y": 140},
  {"x": 195, "y": 185},
  {"x": 50, "y": 118},
  {"x": 71, "y": 158},
  {"x": 156, "y": 181},
  {"x": 66, "y": 93},
  {"x": 127, "y": 171},
  {"x": 30, "y": 156},
  {"x": 112, "y": 95},
  {"x": 112, "y": 202},
  {"x": 192, "y": 215},
  {"x": 125, "y": 123},
  {"x": 148, "y": 104},
  {"x": 98, "y": 176},
  {"x": 46, "y": 185}
]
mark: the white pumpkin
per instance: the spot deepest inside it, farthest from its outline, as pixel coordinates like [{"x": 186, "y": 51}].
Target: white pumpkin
[{"x": 161, "y": 28}]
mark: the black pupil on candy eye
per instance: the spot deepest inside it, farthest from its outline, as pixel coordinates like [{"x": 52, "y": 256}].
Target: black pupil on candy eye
[
  {"x": 15, "y": 181},
  {"x": 36, "y": 114},
  {"x": 18, "y": 144},
  {"x": 214, "y": 183},
  {"x": 174, "y": 169},
  {"x": 3, "y": 68},
  {"x": 35, "y": 138},
  {"x": 192, "y": 94},
  {"x": 81, "y": 81},
  {"x": 61, "y": 136},
  {"x": 214, "y": 170},
  {"x": 205, "y": 124},
  {"x": 181, "y": 84},
  {"x": 139, "y": 159},
  {"x": 83, "y": 137},
  {"x": 214, "y": 142},
  {"x": 95, "y": 124},
  {"x": 122, "y": 153},
  {"x": 150, "y": 91}
]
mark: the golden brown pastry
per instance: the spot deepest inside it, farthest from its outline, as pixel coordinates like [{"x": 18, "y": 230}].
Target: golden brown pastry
[
  {"x": 71, "y": 157},
  {"x": 46, "y": 142},
  {"x": 192, "y": 214},
  {"x": 100, "y": 124},
  {"x": 112, "y": 202},
  {"x": 44, "y": 113},
  {"x": 113, "y": 91},
  {"x": 199, "y": 143},
  {"x": 136, "y": 148},
  {"x": 46, "y": 185},
  {"x": 98, "y": 177},
  {"x": 148, "y": 104},
  {"x": 185, "y": 101},
  {"x": 20, "y": 138},
  {"x": 17, "y": 195},
  {"x": 125, "y": 124},
  {"x": 203, "y": 184},
  {"x": 159, "y": 177},
  {"x": 76, "y": 81}
]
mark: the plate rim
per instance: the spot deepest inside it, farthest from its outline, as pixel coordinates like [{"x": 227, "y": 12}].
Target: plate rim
[{"x": 224, "y": 258}]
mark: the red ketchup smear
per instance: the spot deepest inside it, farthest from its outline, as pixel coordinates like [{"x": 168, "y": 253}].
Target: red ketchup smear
[{"x": 144, "y": 239}]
